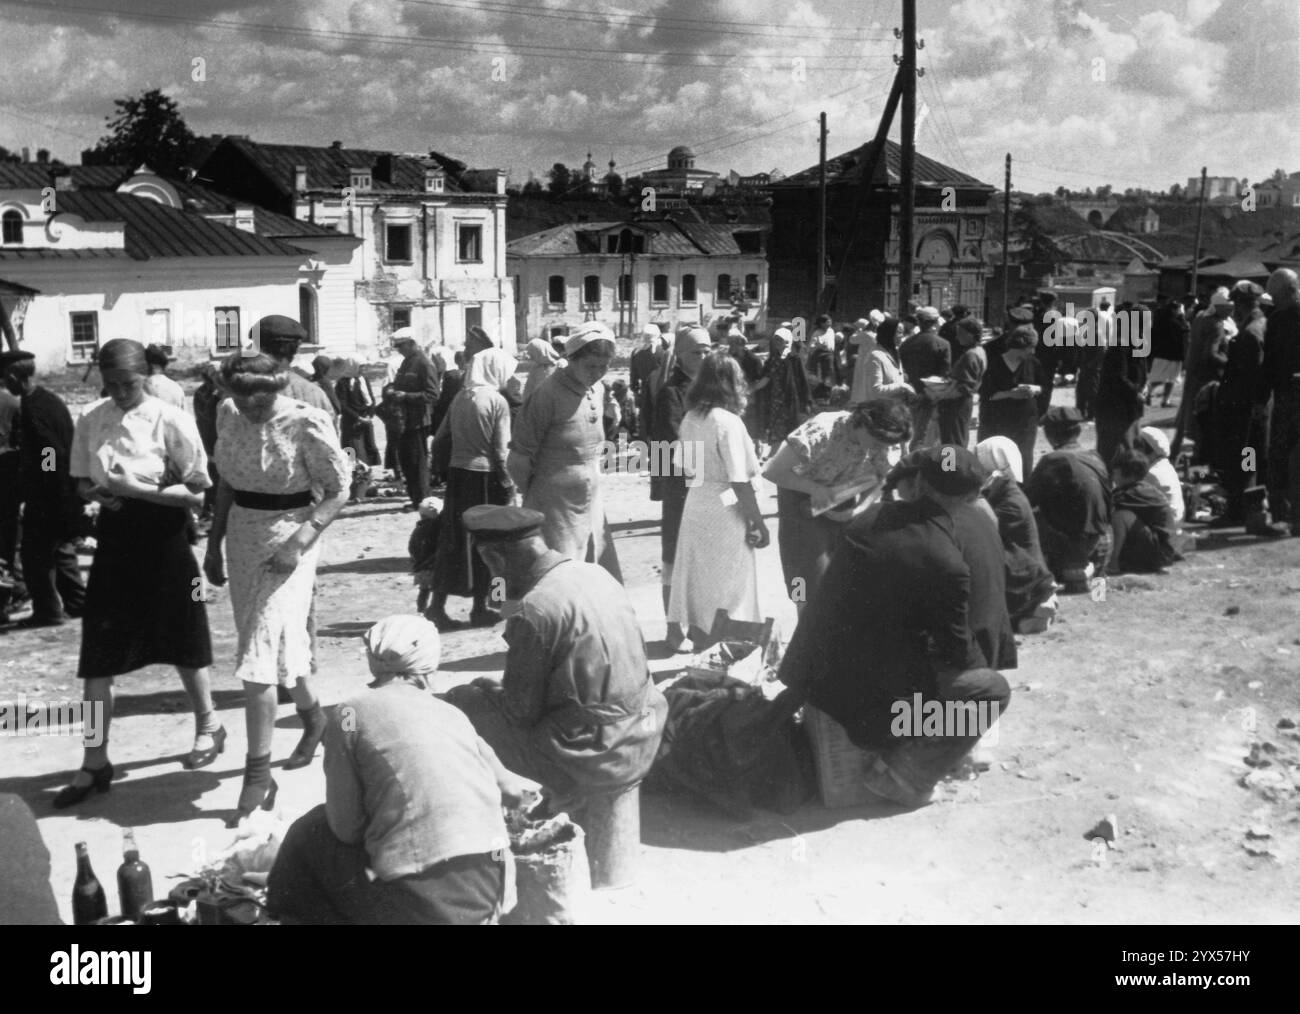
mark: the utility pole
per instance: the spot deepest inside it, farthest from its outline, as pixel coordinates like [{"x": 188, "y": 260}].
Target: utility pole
[
  {"x": 821, "y": 211},
  {"x": 1006, "y": 234},
  {"x": 1196, "y": 250},
  {"x": 907, "y": 176}
]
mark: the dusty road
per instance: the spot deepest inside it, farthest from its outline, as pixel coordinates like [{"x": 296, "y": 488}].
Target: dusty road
[{"x": 1144, "y": 705}]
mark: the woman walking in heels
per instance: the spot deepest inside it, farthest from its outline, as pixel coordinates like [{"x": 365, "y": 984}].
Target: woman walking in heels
[
  {"x": 143, "y": 462},
  {"x": 284, "y": 477}
]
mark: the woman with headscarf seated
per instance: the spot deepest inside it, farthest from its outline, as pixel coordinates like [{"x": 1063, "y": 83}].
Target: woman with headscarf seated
[
  {"x": 784, "y": 398},
  {"x": 1142, "y": 522},
  {"x": 1155, "y": 446},
  {"x": 411, "y": 831},
  {"x": 478, "y": 430},
  {"x": 1031, "y": 589},
  {"x": 546, "y": 361},
  {"x": 827, "y": 472},
  {"x": 557, "y": 451}
]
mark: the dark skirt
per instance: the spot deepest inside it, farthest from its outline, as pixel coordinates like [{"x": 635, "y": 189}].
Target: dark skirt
[
  {"x": 458, "y": 569},
  {"x": 805, "y": 543},
  {"x": 144, "y": 599}
]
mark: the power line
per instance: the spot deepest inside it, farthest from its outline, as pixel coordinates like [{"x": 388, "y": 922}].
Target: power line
[
  {"x": 820, "y": 61},
  {"x": 609, "y": 16}
]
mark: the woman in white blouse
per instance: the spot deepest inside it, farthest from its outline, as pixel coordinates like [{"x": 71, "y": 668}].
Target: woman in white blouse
[{"x": 142, "y": 461}]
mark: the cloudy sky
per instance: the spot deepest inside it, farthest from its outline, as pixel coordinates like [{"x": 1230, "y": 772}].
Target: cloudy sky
[{"x": 1081, "y": 92}]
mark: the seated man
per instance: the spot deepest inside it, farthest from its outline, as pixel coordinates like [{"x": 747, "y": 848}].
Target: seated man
[
  {"x": 1142, "y": 524},
  {"x": 411, "y": 830},
  {"x": 1070, "y": 491},
  {"x": 896, "y": 616},
  {"x": 576, "y": 708}
]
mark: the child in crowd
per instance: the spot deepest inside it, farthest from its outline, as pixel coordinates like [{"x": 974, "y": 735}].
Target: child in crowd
[
  {"x": 423, "y": 548},
  {"x": 1142, "y": 522}
]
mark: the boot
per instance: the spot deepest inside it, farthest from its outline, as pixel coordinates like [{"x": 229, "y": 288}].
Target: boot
[
  {"x": 259, "y": 789},
  {"x": 313, "y": 728}
]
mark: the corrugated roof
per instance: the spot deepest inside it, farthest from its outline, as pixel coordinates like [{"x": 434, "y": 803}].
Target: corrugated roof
[
  {"x": 35, "y": 176},
  {"x": 847, "y": 168},
  {"x": 265, "y": 221},
  {"x": 11, "y": 253},
  {"x": 671, "y": 238},
  {"x": 153, "y": 230},
  {"x": 330, "y": 168}
]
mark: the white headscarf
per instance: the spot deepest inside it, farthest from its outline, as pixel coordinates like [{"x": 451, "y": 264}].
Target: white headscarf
[
  {"x": 1157, "y": 438},
  {"x": 491, "y": 368},
  {"x": 585, "y": 334},
  {"x": 403, "y": 646},
  {"x": 1001, "y": 456},
  {"x": 542, "y": 352}
]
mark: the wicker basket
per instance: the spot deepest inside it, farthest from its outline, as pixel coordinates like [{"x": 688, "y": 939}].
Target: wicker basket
[{"x": 841, "y": 766}]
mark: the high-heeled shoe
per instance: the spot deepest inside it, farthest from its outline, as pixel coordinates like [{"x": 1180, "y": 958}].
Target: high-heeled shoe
[
  {"x": 202, "y": 758},
  {"x": 101, "y": 780},
  {"x": 250, "y": 798},
  {"x": 313, "y": 728}
]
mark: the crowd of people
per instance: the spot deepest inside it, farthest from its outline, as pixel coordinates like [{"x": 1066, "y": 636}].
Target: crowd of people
[{"x": 911, "y": 551}]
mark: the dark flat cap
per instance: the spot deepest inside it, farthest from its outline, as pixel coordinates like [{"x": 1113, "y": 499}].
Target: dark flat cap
[
  {"x": 1063, "y": 415},
  {"x": 1021, "y": 314},
  {"x": 909, "y": 466},
  {"x": 952, "y": 470},
  {"x": 7, "y": 359},
  {"x": 502, "y": 524},
  {"x": 157, "y": 355},
  {"x": 277, "y": 331}
]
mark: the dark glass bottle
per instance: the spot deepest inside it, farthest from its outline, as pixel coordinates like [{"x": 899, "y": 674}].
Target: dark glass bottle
[
  {"x": 88, "y": 901},
  {"x": 134, "y": 881}
]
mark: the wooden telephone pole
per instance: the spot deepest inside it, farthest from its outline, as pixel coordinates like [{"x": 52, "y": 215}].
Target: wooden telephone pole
[
  {"x": 821, "y": 213},
  {"x": 1196, "y": 250},
  {"x": 907, "y": 175},
  {"x": 1006, "y": 235}
]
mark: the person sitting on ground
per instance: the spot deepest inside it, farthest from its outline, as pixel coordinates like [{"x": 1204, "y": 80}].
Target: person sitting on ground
[
  {"x": 411, "y": 830},
  {"x": 422, "y": 547},
  {"x": 1154, "y": 445},
  {"x": 576, "y": 708},
  {"x": 1031, "y": 589},
  {"x": 1142, "y": 522},
  {"x": 1070, "y": 491}
]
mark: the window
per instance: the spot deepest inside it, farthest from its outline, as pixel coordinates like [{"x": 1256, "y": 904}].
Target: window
[
  {"x": 660, "y": 292},
  {"x": 307, "y": 311},
  {"x": 469, "y": 243},
  {"x": 555, "y": 290},
  {"x": 13, "y": 227},
  {"x": 85, "y": 335},
  {"x": 688, "y": 289},
  {"x": 749, "y": 242},
  {"x": 401, "y": 317},
  {"x": 160, "y": 326},
  {"x": 227, "y": 327},
  {"x": 626, "y": 241},
  {"x": 625, "y": 288},
  {"x": 591, "y": 290},
  {"x": 473, "y": 317},
  {"x": 751, "y": 286},
  {"x": 723, "y": 291},
  {"x": 397, "y": 244}
]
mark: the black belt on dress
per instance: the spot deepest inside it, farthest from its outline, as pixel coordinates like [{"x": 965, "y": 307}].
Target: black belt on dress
[{"x": 272, "y": 501}]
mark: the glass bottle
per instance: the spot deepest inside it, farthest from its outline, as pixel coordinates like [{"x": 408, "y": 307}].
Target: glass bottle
[
  {"x": 134, "y": 881},
  {"x": 88, "y": 902}
]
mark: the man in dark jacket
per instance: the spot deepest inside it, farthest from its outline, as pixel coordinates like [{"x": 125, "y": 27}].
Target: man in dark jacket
[
  {"x": 956, "y": 404},
  {"x": 416, "y": 391},
  {"x": 1070, "y": 489},
  {"x": 1169, "y": 336},
  {"x": 1119, "y": 404},
  {"x": 1280, "y": 379},
  {"x": 51, "y": 506},
  {"x": 576, "y": 708},
  {"x": 911, "y": 604},
  {"x": 669, "y": 408},
  {"x": 925, "y": 354}
]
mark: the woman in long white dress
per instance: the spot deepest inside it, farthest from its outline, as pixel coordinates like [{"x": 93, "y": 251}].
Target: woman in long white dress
[{"x": 722, "y": 524}]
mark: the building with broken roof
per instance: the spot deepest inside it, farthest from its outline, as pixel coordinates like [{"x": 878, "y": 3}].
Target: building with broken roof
[
  {"x": 949, "y": 235},
  {"x": 670, "y": 268},
  {"x": 432, "y": 254}
]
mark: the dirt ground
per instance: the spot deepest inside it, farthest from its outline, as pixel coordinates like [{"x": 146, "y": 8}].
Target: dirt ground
[{"x": 1144, "y": 705}]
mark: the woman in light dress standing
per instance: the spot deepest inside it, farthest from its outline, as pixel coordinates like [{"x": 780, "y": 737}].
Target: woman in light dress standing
[
  {"x": 722, "y": 525},
  {"x": 558, "y": 448},
  {"x": 284, "y": 478}
]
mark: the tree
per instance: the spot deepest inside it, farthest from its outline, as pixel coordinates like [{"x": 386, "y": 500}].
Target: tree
[
  {"x": 1279, "y": 176},
  {"x": 9, "y": 156},
  {"x": 614, "y": 185},
  {"x": 146, "y": 129},
  {"x": 561, "y": 179},
  {"x": 1175, "y": 190},
  {"x": 1062, "y": 193},
  {"x": 1103, "y": 192},
  {"x": 532, "y": 188}
]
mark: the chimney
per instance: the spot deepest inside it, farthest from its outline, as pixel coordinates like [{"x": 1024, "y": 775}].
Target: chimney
[
  {"x": 384, "y": 168},
  {"x": 62, "y": 178},
  {"x": 244, "y": 220},
  {"x": 336, "y": 145},
  {"x": 299, "y": 179},
  {"x": 501, "y": 181},
  {"x": 27, "y": 153}
]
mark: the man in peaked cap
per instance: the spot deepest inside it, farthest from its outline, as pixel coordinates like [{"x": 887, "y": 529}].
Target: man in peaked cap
[
  {"x": 279, "y": 337},
  {"x": 576, "y": 708}
]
